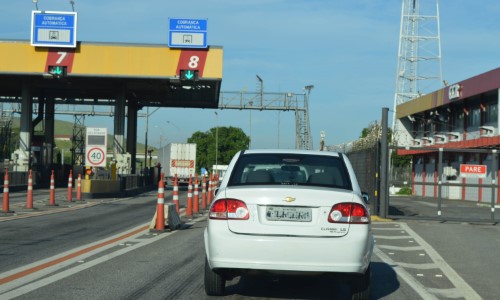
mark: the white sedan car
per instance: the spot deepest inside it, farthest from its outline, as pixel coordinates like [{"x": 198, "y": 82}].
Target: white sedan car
[{"x": 290, "y": 212}]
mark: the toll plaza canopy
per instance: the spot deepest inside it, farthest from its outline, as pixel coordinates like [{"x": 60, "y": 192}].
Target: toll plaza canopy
[{"x": 148, "y": 75}]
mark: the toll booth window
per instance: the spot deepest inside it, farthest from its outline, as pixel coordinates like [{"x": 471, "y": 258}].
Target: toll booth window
[{"x": 99, "y": 140}]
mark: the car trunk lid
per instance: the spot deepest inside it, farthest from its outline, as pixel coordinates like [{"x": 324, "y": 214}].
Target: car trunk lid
[{"x": 289, "y": 211}]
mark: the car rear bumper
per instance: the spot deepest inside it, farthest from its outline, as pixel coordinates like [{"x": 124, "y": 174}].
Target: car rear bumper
[{"x": 348, "y": 254}]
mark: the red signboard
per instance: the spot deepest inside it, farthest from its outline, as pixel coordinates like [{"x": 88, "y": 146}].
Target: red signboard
[
  {"x": 179, "y": 163},
  {"x": 473, "y": 171},
  {"x": 192, "y": 60},
  {"x": 60, "y": 57}
]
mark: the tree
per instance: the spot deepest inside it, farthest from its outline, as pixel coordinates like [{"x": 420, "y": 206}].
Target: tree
[
  {"x": 229, "y": 141},
  {"x": 396, "y": 160}
]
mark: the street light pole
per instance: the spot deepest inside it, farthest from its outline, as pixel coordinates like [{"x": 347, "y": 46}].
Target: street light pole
[
  {"x": 146, "y": 139},
  {"x": 146, "y": 136},
  {"x": 250, "y": 143},
  {"x": 161, "y": 136}
]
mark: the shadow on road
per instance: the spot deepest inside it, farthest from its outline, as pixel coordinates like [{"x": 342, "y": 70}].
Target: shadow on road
[{"x": 384, "y": 282}]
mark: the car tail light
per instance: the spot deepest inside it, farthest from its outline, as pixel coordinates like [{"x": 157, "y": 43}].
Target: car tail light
[
  {"x": 353, "y": 213},
  {"x": 229, "y": 209}
]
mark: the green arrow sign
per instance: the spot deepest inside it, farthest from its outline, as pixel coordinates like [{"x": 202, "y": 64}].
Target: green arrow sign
[
  {"x": 57, "y": 70},
  {"x": 189, "y": 75}
]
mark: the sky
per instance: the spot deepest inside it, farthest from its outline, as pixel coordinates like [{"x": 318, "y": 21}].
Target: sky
[{"x": 347, "y": 49}]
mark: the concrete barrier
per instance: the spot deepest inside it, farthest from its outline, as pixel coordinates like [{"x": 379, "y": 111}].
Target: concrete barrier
[
  {"x": 100, "y": 186},
  {"x": 171, "y": 216}
]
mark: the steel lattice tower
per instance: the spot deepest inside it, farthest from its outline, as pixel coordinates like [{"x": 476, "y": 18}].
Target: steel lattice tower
[
  {"x": 78, "y": 141},
  {"x": 302, "y": 126},
  {"x": 419, "y": 57}
]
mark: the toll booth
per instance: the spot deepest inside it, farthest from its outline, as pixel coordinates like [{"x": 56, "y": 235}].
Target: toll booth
[{"x": 39, "y": 78}]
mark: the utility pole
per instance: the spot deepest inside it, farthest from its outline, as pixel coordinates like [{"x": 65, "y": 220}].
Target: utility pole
[{"x": 216, "y": 139}]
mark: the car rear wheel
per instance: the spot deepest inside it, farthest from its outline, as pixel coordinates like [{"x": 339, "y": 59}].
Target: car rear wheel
[
  {"x": 360, "y": 286},
  {"x": 215, "y": 284}
]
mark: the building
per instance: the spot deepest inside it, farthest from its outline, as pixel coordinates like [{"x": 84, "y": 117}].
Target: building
[{"x": 463, "y": 116}]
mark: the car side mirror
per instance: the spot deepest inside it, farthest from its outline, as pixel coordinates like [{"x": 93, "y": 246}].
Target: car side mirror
[{"x": 366, "y": 197}]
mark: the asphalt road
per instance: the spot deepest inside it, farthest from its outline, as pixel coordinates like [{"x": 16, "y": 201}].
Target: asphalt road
[
  {"x": 471, "y": 249},
  {"x": 444, "y": 210},
  {"x": 107, "y": 252},
  {"x": 26, "y": 240}
]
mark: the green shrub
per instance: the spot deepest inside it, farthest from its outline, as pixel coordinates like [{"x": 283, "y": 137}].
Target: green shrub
[{"x": 404, "y": 191}]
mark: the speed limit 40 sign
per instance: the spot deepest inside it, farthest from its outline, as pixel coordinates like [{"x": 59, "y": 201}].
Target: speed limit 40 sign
[
  {"x": 95, "y": 148},
  {"x": 96, "y": 157}
]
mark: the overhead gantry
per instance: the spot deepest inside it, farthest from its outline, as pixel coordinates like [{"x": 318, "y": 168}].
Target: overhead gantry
[{"x": 126, "y": 76}]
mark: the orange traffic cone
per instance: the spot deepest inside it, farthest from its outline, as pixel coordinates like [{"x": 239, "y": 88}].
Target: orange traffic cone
[
  {"x": 189, "y": 206},
  {"x": 52, "y": 199},
  {"x": 29, "y": 198},
  {"x": 160, "y": 208},
  {"x": 204, "y": 193},
  {"x": 70, "y": 186},
  {"x": 5, "y": 206},
  {"x": 210, "y": 187},
  {"x": 216, "y": 181},
  {"x": 175, "y": 194},
  {"x": 196, "y": 200},
  {"x": 79, "y": 188}
]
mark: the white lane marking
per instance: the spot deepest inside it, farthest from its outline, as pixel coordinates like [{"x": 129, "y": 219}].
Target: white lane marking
[
  {"x": 461, "y": 290},
  {"x": 17, "y": 287},
  {"x": 40, "y": 281},
  {"x": 391, "y": 237},
  {"x": 425, "y": 266},
  {"x": 421, "y": 290},
  {"x": 24, "y": 215},
  {"x": 389, "y": 247},
  {"x": 452, "y": 293},
  {"x": 69, "y": 252},
  {"x": 465, "y": 289},
  {"x": 66, "y": 263}
]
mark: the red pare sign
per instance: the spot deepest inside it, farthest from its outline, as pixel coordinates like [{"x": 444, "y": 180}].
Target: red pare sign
[{"x": 473, "y": 170}]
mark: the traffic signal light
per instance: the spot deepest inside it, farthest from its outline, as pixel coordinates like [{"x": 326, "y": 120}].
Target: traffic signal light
[
  {"x": 58, "y": 71},
  {"x": 188, "y": 75}
]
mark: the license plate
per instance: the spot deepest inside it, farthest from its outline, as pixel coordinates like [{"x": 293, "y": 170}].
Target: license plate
[{"x": 287, "y": 213}]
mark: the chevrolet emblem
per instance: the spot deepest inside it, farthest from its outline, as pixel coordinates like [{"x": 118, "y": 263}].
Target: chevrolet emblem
[{"x": 289, "y": 199}]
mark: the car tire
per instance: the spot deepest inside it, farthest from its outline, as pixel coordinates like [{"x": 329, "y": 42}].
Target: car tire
[
  {"x": 215, "y": 284},
  {"x": 360, "y": 286}
]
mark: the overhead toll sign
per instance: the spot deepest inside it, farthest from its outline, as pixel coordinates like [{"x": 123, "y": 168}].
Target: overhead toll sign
[
  {"x": 142, "y": 60},
  {"x": 188, "y": 33},
  {"x": 152, "y": 73},
  {"x": 53, "y": 29}
]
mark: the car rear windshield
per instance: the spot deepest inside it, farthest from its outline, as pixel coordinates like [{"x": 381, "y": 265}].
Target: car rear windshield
[{"x": 290, "y": 169}]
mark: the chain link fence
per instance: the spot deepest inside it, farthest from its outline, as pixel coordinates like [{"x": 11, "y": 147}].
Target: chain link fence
[{"x": 364, "y": 156}]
